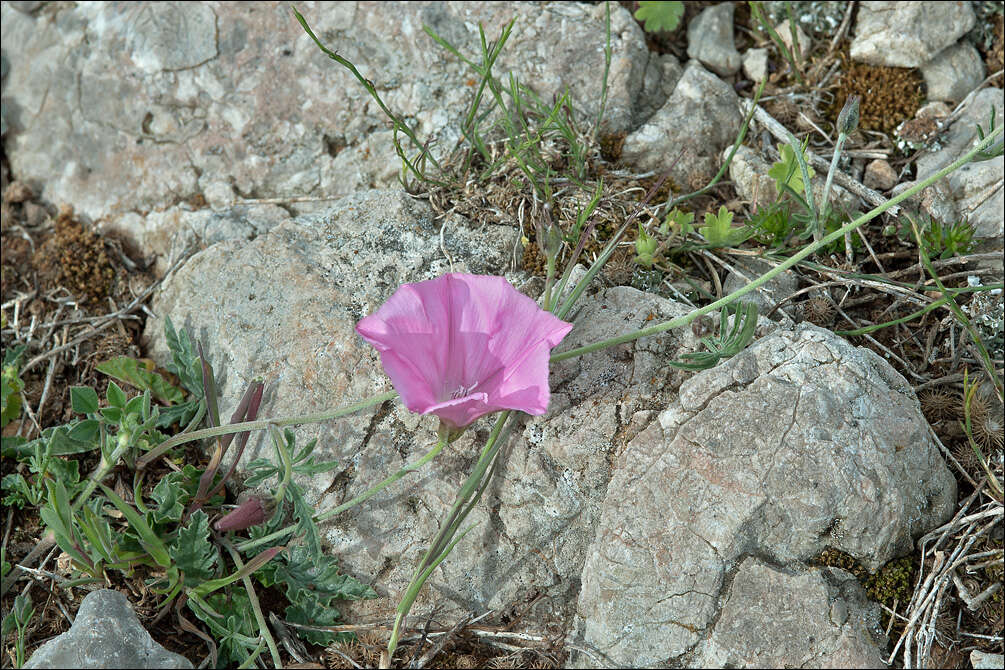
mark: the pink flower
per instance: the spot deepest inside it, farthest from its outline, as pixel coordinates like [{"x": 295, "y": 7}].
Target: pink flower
[{"x": 462, "y": 345}]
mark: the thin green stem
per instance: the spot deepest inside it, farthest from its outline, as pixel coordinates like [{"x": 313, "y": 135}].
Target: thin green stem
[
  {"x": 437, "y": 551},
  {"x": 284, "y": 457},
  {"x": 261, "y": 424},
  {"x": 366, "y": 495},
  {"x": 732, "y": 151},
  {"x": 830, "y": 173},
  {"x": 256, "y": 607},
  {"x": 921, "y": 312},
  {"x": 782, "y": 267},
  {"x": 371, "y": 89}
]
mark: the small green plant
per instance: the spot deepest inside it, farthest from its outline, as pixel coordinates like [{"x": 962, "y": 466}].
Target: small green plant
[
  {"x": 660, "y": 16},
  {"x": 11, "y": 385},
  {"x": 941, "y": 240},
  {"x": 17, "y": 620},
  {"x": 676, "y": 227},
  {"x": 995, "y": 149},
  {"x": 772, "y": 226},
  {"x": 164, "y": 532},
  {"x": 718, "y": 230},
  {"x": 730, "y": 340},
  {"x": 786, "y": 172}
]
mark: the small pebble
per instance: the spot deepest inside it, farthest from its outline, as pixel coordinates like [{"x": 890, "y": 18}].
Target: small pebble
[{"x": 880, "y": 175}]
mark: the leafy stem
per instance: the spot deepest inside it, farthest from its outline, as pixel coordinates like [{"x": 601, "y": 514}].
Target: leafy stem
[
  {"x": 785, "y": 265},
  {"x": 366, "y": 495}
]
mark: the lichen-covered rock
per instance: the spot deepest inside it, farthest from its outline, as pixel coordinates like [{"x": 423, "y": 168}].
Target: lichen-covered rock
[
  {"x": 800, "y": 442},
  {"x": 138, "y": 107},
  {"x": 710, "y": 39},
  {"x": 976, "y": 188},
  {"x": 908, "y": 34},
  {"x": 775, "y": 618},
  {"x": 105, "y": 634},
  {"x": 314, "y": 278},
  {"x": 687, "y": 134}
]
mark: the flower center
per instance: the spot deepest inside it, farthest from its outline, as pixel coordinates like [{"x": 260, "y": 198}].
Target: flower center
[{"x": 462, "y": 391}]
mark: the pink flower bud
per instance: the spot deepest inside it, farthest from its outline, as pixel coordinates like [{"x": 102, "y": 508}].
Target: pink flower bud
[{"x": 249, "y": 513}]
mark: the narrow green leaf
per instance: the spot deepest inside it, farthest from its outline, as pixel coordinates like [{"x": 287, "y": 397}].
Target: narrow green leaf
[{"x": 148, "y": 539}]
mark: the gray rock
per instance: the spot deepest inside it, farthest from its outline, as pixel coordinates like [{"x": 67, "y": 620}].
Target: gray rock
[
  {"x": 700, "y": 118},
  {"x": 785, "y": 34},
  {"x": 318, "y": 275},
  {"x": 167, "y": 234},
  {"x": 880, "y": 175},
  {"x": 169, "y": 36},
  {"x": 755, "y": 64},
  {"x": 953, "y": 73},
  {"x": 975, "y": 189},
  {"x": 26, "y": 6},
  {"x": 766, "y": 297},
  {"x": 773, "y": 618},
  {"x": 985, "y": 661},
  {"x": 749, "y": 172},
  {"x": 710, "y": 39},
  {"x": 105, "y": 634},
  {"x": 132, "y": 108},
  {"x": 662, "y": 75},
  {"x": 908, "y": 34},
  {"x": 800, "y": 442}
]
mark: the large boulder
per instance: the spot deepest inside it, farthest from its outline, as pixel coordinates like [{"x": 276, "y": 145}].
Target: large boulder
[
  {"x": 123, "y": 109},
  {"x": 799, "y": 443},
  {"x": 908, "y": 34}
]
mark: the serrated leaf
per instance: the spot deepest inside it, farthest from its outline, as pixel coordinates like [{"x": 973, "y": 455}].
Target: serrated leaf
[
  {"x": 192, "y": 551},
  {"x": 312, "y": 614},
  {"x": 315, "y": 577},
  {"x": 83, "y": 399},
  {"x": 719, "y": 232},
  {"x": 659, "y": 16},
  {"x": 304, "y": 514},
  {"x": 786, "y": 171},
  {"x": 170, "y": 496},
  {"x": 184, "y": 361},
  {"x": 141, "y": 375}
]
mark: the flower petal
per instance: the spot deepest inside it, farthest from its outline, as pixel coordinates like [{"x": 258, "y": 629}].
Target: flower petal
[{"x": 462, "y": 345}]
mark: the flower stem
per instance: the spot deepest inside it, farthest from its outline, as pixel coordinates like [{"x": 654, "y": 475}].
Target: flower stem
[
  {"x": 793, "y": 260},
  {"x": 256, "y": 608},
  {"x": 261, "y": 424},
  {"x": 366, "y": 495},
  {"x": 445, "y": 540}
]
